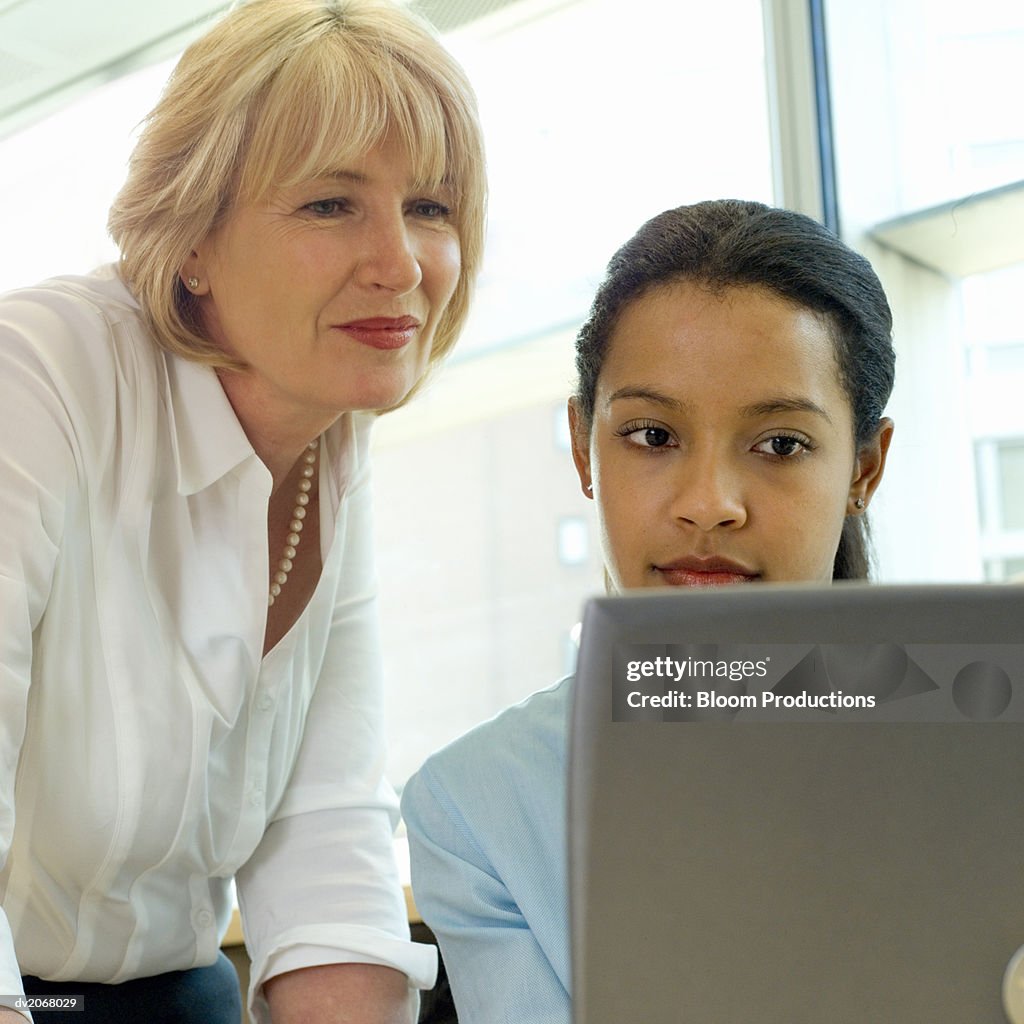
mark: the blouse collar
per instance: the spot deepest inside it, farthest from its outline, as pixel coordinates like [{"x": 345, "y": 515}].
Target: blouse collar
[{"x": 207, "y": 438}]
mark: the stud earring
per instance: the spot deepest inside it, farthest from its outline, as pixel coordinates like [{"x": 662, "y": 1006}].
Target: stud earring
[
  {"x": 859, "y": 504},
  {"x": 193, "y": 283},
  {"x": 589, "y": 488}
]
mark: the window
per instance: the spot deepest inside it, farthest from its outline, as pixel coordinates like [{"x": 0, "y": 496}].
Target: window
[
  {"x": 1000, "y": 466},
  {"x": 1010, "y": 460},
  {"x": 930, "y": 162},
  {"x": 619, "y": 116},
  {"x": 58, "y": 178},
  {"x": 573, "y": 540}
]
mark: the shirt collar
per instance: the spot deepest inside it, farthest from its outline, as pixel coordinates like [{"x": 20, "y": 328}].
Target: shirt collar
[{"x": 207, "y": 438}]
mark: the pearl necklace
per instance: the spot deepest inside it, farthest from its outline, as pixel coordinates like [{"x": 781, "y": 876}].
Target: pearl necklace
[{"x": 280, "y": 577}]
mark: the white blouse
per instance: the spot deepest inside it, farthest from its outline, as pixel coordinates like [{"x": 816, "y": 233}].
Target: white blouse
[{"x": 149, "y": 753}]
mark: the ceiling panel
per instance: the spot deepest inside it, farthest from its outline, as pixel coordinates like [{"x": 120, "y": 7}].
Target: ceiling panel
[{"x": 50, "y": 50}]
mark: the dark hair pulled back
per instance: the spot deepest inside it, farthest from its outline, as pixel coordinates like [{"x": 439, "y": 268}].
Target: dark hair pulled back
[{"x": 732, "y": 243}]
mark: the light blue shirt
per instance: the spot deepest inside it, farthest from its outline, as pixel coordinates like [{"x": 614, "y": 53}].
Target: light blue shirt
[{"x": 487, "y": 837}]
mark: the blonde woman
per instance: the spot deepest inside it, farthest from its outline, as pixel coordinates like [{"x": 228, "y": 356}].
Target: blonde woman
[{"x": 189, "y": 688}]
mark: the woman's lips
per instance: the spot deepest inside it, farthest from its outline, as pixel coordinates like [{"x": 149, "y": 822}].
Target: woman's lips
[
  {"x": 704, "y": 572},
  {"x": 384, "y": 333}
]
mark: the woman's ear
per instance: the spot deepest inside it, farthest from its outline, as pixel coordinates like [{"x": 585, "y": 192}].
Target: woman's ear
[
  {"x": 193, "y": 274},
  {"x": 869, "y": 465},
  {"x": 579, "y": 436}
]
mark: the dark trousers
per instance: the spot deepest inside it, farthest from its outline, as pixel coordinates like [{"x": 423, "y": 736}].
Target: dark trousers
[{"x": 203, "y": 995}]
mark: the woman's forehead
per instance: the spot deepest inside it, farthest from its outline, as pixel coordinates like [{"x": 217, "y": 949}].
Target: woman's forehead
[
  {"x": 347, "y": 162},
  {"x": 737, "y": 343}
]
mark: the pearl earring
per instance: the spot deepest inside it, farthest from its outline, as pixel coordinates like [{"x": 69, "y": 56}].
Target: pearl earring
[{"x": 193, "y": 283}]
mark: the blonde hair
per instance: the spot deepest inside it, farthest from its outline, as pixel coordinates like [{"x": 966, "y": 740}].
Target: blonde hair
[{"x": 280, "y": 91}]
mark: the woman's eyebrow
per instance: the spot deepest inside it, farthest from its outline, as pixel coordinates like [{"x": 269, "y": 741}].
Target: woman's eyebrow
[
  {"x": 648, "y": 394},
  {"x": 784, "y": 403},
  {"x": 766, "y": 407},
  {"x": 343, "y": 175}
]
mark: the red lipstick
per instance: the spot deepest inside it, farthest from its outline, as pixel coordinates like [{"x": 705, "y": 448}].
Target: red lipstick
[
  {"x": 382, "y": 332},
  {"x": 704, "y": 572}
]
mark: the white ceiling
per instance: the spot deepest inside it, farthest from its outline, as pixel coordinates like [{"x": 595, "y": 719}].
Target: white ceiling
[{"x": 51, "y": 50}]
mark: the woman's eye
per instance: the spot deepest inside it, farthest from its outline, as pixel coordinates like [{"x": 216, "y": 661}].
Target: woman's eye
[
  {"x": 431, "y": 210},
  {"x": 648, "y": 437},
  {"x": 783, "y": 446},
  {"x": 326, "y": 207}
]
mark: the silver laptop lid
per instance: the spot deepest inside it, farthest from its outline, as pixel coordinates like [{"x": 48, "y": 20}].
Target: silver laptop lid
[{"x": 798, "y": 805}]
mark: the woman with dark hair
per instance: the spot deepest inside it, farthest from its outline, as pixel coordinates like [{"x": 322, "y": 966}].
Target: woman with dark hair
[
  {"x": 728, "y": 422},
  {"x": 734, "y": 244}
]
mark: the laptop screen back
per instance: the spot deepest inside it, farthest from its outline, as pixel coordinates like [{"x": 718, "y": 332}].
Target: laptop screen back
[{"x": 798, "y": 805}]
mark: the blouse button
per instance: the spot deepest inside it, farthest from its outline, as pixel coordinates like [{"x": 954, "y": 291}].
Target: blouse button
[{"x": 203, "y": 919}]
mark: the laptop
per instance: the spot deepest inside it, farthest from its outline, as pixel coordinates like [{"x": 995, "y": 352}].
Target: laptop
[{"x": 799, "y": 805}]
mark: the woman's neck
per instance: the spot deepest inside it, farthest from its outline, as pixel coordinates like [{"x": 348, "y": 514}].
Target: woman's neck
[{"x": 278, "y": 431}]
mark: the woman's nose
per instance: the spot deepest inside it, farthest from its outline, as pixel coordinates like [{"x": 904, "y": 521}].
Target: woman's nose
[
  {"x": 389, "y": 259},
  {"x": 709, "y": 493}
]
